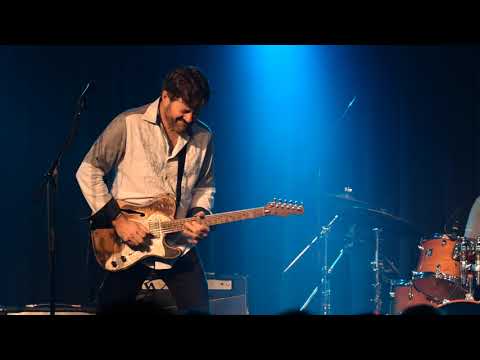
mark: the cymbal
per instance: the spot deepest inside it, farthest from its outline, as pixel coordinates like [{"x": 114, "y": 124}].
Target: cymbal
[
  {"x": 381, "y": 219},
  {"x": 346, "y": 199}
]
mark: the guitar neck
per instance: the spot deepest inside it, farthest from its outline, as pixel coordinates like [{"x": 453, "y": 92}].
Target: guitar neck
[{"x": 215, "y": 219}]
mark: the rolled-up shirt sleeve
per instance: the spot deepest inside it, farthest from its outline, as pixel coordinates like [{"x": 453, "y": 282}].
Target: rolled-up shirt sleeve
[{"x": 104, "y": 155}]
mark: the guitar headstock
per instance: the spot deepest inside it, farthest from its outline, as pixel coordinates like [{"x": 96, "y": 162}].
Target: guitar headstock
[{"x": 283, "y": 208}]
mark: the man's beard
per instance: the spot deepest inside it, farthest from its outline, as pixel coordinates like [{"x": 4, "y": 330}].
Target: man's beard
[
  {"x": 177, "y": 124},
  {"x": 180, "y": 126}
]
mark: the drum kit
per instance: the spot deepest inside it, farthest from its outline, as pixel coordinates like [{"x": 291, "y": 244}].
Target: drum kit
[{"x": 445, "y": 279}]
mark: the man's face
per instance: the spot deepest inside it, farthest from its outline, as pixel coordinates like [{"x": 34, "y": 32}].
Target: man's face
[{"x": 179, "y": 116}]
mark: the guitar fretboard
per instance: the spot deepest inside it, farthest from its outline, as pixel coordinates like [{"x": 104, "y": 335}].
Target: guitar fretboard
[{"x": 215, "y": 219}]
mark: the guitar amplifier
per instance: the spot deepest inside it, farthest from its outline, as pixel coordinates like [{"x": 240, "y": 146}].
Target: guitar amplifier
[{"x": 227, "y": 294}]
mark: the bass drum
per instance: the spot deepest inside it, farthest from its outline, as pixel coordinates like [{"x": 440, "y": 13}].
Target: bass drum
[{"x": 460, "y": 307}]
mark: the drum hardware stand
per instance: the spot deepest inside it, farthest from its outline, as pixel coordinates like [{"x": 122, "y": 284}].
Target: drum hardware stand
[
  {"x": 326, "y": 271},
  {"x": 469, "y": 294},
  {"x": 324, "y": 281},
  {"x": 377, "y": 268},
  {"x": 392, "y": 266},
  {"x": 391, "y": 293},
  {"x": 467, "y": 270},
  {"x": 477, "y": 262},
  {"x": 469, "y": 278},
  {"x": 463, "y": 263}
]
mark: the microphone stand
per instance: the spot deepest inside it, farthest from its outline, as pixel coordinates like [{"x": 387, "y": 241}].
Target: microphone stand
[
  {"x": 326, "y": 271},
  {"x": 325, "y": 280},
  {"x": 51, "y": 184}
]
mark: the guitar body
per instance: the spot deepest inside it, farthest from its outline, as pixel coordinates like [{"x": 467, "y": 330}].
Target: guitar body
[{"x": 114, "y": 255}]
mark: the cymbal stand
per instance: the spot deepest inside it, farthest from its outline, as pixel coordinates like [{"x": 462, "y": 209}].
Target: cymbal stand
[
  {"x": 325, "y": 281},
  {"x": 377, "y": 268}
]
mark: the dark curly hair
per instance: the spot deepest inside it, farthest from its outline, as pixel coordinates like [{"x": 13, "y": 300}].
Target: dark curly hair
[{"x": 189, "y": 84}]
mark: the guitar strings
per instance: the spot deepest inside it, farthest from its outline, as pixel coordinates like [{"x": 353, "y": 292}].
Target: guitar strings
[{"x": 178, "y": 224}]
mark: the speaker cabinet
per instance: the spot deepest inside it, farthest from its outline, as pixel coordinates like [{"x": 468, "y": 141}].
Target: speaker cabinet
[{"x": 227, "y": 294}]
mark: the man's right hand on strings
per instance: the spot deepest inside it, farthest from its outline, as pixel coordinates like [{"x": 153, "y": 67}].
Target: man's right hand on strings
[{"x": 132, "y": 232}]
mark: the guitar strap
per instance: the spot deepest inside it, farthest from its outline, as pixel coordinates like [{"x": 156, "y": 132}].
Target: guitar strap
[{"x": 181, "y": 166}]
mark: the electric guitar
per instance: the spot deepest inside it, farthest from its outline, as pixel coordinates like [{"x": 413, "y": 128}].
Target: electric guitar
[{"x": 113, "y": 254}]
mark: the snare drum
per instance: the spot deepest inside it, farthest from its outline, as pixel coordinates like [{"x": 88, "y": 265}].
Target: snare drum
[
  {"x": 438, "y": 274},
  {"x": 404, "y": 295}
]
